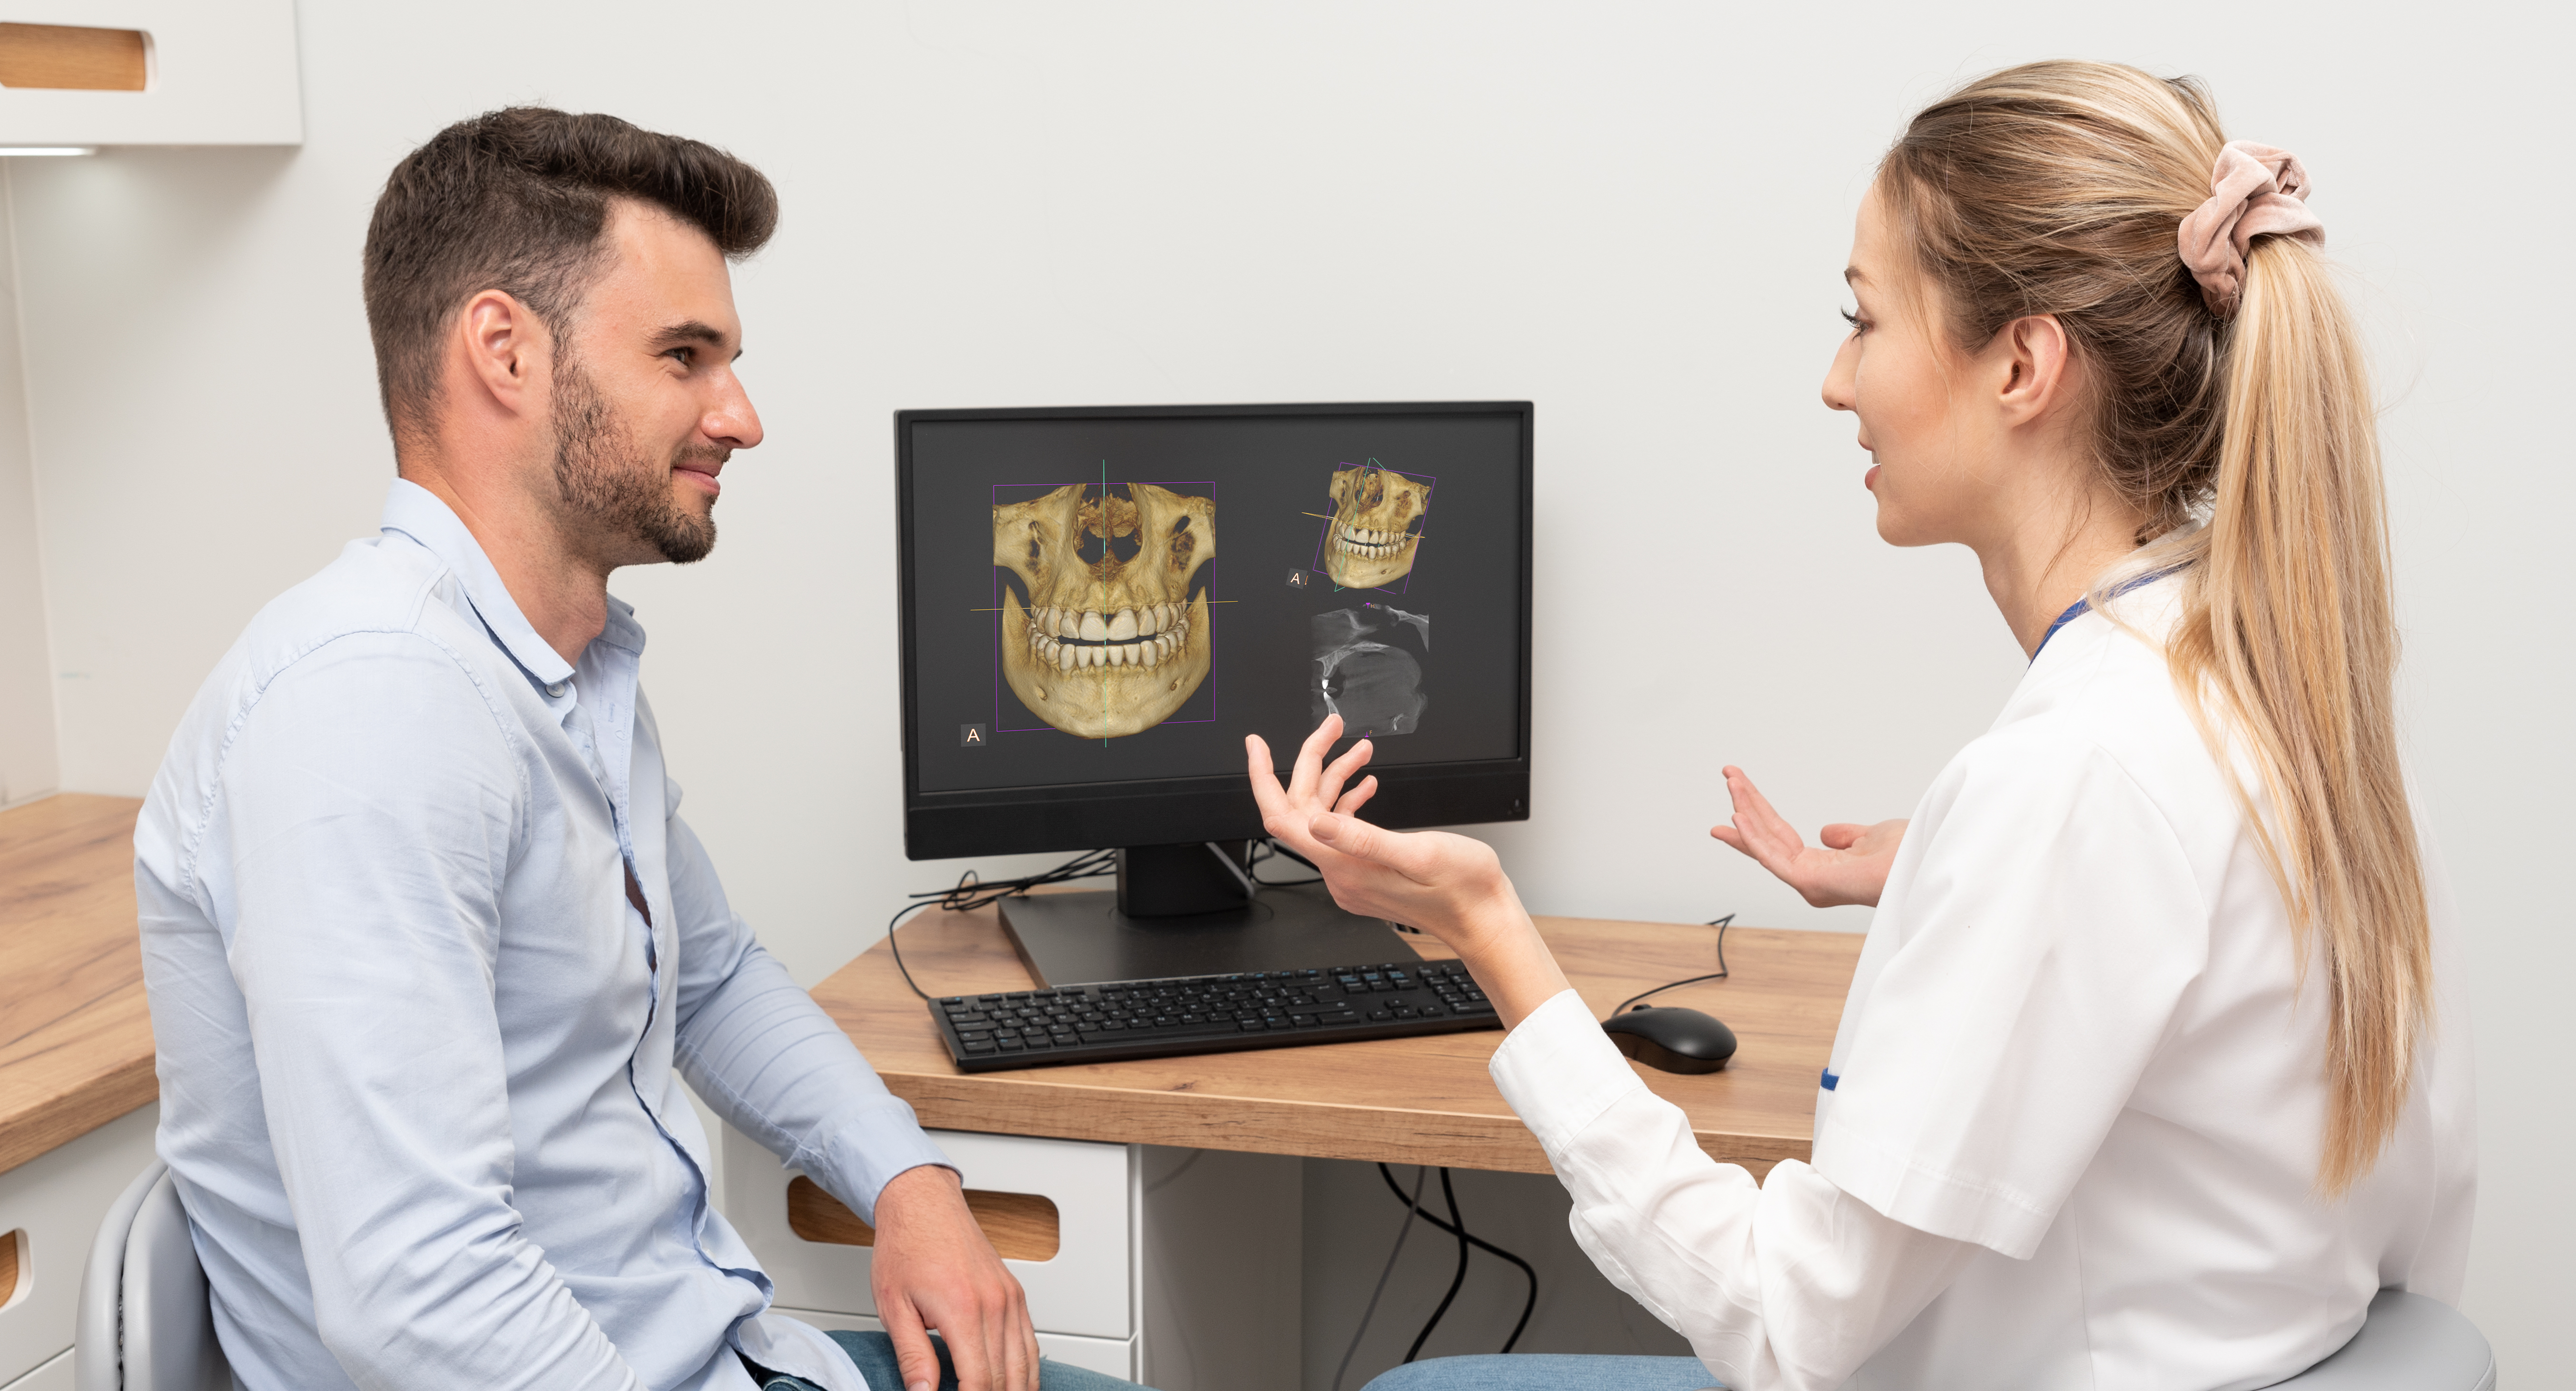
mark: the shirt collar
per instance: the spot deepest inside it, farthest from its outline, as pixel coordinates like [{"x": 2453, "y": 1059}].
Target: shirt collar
[{"x": 417, "y": 513}]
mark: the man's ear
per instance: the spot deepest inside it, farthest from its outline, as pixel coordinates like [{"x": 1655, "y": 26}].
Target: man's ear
[
  {"x": 506, "y": 351},
  {"x": 2038, "y": 363}
]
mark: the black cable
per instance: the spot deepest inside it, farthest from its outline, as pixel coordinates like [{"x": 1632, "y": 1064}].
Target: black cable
[
  {"x": 1528, "y": 1306},
  {"x": 1412, "y": 1209},
  {"x": 1718, "y": 974},
  {"x": 1275, "y": 851},
  {"x": 971, "y": 892},
  {"x": 1451, "y": 1195},
  {"x": 896, "y": 946}
]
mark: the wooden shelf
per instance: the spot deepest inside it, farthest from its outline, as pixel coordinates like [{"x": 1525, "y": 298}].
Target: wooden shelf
[{"x": 75, "y": 1035}]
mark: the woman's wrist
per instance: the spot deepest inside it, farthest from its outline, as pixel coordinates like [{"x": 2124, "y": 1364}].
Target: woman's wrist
[{"x": 1501, "y": 947}]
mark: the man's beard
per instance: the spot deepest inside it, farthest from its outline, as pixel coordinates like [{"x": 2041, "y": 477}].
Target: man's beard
[{"x": 606, "y": 484}]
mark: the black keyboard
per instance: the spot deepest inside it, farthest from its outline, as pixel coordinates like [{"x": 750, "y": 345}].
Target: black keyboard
[{"x": 1209, "y": 1014}]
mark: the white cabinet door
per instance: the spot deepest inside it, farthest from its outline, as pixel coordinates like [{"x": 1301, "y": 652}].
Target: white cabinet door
[
  {"x": 217, "y": 72},
  {"x": 1087, "y": 1288},
  {"x": 58, "y": 1200}
]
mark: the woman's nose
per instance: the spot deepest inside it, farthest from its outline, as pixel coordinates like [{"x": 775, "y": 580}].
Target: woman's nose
[{"x": 1838, "y": 377}]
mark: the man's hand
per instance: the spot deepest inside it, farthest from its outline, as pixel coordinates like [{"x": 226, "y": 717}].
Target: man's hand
[
  {"x": 1851, "y": 866},
  {"x": 935, "y": 1269}
]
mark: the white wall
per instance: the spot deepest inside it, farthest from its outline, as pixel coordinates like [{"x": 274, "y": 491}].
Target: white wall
[
  {"x": 29, "y": 766},
  {"x": 1634, "y": 215}
]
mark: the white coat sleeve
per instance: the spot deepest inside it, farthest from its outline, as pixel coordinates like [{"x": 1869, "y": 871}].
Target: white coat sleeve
[{"x": 1791, "y": 1284}]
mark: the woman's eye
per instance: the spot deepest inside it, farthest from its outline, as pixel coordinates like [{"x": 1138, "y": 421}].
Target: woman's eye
[{"x": 1856, "y": 321}]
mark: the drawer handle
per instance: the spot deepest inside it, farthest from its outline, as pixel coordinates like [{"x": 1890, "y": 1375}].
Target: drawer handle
[
  {"x": 68, "y": 56},
  {"x": 13, "y": 1259},
  {"x": 1021, "y": 1226}
]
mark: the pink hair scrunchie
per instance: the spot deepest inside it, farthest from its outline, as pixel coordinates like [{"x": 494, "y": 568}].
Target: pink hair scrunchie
[{"x": 2254, "y": 190}]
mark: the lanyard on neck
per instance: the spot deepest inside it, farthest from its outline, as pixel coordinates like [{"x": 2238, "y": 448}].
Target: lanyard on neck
[{"x": 2082, "y": 607}]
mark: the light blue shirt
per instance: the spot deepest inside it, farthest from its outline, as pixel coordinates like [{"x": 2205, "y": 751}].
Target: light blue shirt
[{"x": 420, "y": 1058}]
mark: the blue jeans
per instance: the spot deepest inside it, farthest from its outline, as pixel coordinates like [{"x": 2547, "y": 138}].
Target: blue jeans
[
  {"x": 1531, "y": 1371},
  {"x": 874, "y": 1352}
]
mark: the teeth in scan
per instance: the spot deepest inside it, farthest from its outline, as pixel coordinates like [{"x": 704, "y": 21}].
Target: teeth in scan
[{"x": 1130, "y": 638}]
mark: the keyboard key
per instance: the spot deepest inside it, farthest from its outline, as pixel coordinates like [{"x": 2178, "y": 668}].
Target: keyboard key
[
  {"x": 1252, "y": 1026},
  {"x": 1010, "y": 1045},
  {"x": 1303, "y": 1021},
  {"x": 1380, "y": 1014},
  {"x": 983, "y": 1047}
]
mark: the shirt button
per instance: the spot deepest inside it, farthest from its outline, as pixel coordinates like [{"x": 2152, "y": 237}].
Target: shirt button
[{"x": 557, "y": 689}]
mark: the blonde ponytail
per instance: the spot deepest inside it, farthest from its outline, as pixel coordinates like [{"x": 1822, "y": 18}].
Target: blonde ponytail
[
  {"x": 2249, "y": 444},
  {"x": 2289, "y": 639}
]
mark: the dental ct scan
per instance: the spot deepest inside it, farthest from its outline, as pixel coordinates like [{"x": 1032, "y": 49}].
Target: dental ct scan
[{"x": 1095, "y": 597}]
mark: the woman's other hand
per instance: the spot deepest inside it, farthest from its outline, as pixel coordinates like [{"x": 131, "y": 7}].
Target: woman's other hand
[
  {"x": 1850, "y": 867},
  {"x": 1447, "y": 885}
]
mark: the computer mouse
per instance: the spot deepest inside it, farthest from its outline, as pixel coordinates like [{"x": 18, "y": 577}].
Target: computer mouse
[{"x": 1670, "y": 1039}]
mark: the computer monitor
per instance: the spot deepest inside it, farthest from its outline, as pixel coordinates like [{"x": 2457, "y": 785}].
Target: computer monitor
[{"x": 1098, "y": 603}]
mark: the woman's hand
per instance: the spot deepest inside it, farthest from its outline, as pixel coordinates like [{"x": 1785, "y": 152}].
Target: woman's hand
[
  {"x": 1850, "y": 867},
  {"x": 1447, "y": 885}
]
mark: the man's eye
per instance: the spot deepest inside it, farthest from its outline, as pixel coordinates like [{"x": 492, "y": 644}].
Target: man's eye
[{"x": 687, "y": 357}]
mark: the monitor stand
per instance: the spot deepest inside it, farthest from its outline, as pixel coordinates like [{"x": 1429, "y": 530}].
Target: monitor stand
[{"x": 1195, "y": 920}]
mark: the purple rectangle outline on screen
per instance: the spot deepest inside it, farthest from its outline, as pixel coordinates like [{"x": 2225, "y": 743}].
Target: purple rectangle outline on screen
[
  {"x": 1208, "y": 483},
  {"x": 1317, "y": 566}
]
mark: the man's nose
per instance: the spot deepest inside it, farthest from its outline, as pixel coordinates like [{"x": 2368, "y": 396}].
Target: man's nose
[{"x": 733, "y": 420}]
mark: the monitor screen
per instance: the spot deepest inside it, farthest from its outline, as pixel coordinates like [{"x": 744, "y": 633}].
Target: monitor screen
[{"x": 1099, "y": 603}]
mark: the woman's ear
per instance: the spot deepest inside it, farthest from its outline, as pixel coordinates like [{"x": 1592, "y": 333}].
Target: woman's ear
[{"x": 2037, "y": 365}]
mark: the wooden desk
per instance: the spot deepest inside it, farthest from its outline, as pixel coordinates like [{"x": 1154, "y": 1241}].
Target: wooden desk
[
  {"x": 1410, "y": 1101},
  {"x": 75, "y": 1036}
]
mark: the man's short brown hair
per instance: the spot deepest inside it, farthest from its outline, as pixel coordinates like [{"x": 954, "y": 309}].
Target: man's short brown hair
[{"x": 517, "y": 200}]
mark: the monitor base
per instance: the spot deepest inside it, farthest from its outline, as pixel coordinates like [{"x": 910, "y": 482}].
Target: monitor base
[{"x": 1082, "y": 938}]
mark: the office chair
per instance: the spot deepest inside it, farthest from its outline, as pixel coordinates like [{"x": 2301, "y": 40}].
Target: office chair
[
  {"x": 2408, "y": 1342},
  {"x": 145, "y": 1322}
]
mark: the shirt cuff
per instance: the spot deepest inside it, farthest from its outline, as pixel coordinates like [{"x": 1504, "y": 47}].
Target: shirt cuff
[
  {"x": 867, "y": 1149},
  {"x": 1558, "y": 1071}
]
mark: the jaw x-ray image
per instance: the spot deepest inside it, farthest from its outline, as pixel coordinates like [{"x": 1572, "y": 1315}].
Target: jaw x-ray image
[{"x": 1368, "y": 669}]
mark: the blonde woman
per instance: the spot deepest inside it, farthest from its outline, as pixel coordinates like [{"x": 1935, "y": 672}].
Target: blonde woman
[{"x": 2144, "y": 1080}]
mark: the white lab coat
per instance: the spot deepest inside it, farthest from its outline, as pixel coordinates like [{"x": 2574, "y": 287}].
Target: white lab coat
[{"x": 2078, "y": 1095}]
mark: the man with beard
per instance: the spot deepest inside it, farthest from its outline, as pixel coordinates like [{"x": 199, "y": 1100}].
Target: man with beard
[{"x": 429, "y": 947}]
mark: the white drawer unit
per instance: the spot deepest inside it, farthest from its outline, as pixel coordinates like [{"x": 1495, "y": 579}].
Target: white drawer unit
[
  {"x": 1086, "y": 1287},
  {"x": 1176, "y": 1268},
  {"x": 57, "y": 1200}
]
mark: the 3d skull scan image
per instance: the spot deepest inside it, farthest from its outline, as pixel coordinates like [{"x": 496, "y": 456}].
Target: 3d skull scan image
[
  {"x": 1101, "y": 634},
  {"x": 1376, "y": 526},
  {"x": 1368, "y": 669}
]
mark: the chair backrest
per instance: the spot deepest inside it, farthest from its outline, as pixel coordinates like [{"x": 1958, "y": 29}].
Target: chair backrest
[
  {"x": 2409, "y": 1342},
  {"x": 145, "y": 1322}
]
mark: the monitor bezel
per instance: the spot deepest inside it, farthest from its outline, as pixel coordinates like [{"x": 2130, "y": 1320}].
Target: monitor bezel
[{"x": 1090, "y": 816}]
